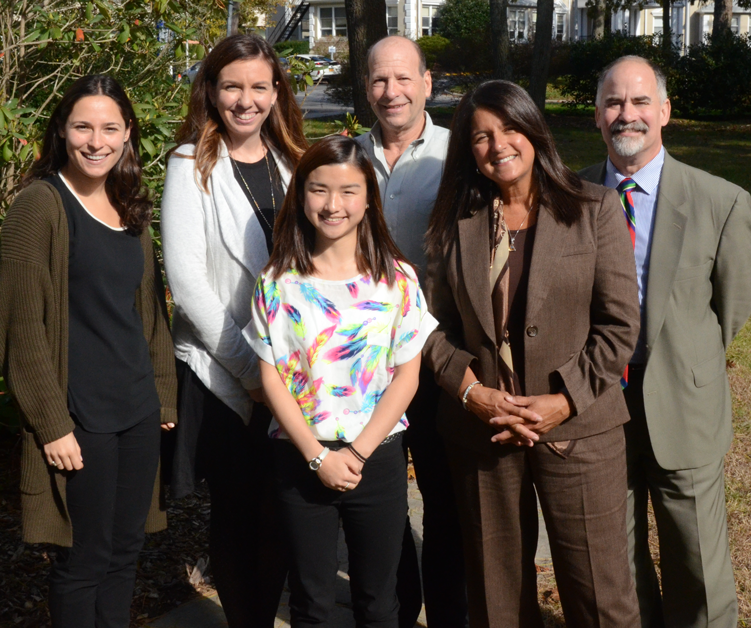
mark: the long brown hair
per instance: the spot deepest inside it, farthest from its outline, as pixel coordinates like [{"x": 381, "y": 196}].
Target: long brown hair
[
  {"x": 124, "y": 186},
  {"x": 463, "y": 189},
  {"x": 295, "y": 236},
  {"x": 203, "y": 125}
]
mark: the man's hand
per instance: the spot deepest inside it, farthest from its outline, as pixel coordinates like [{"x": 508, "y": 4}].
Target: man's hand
[
  {"x": 552, "y": 409},
  {"x": 513, "y": 421}
]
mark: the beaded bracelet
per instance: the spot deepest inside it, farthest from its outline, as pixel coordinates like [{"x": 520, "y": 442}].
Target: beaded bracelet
[{"x": 466, "y": 392}]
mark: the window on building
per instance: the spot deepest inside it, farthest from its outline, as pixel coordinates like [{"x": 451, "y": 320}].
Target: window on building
[
  {"x": 516, "y": 22},
  {"x": 735, "y": 24},
  {"x": 429, "y": 20},
  {"x": 333, "y": 21},
  {"x": 560, "y": 26},
  {"x": 657, "y": 23},
  {"x": 392, "y": 20}
]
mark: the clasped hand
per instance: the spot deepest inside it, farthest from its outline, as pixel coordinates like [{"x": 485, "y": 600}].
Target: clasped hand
[
  {"x": 518, "y": 420},
  {"x": 340, "y": 470}
]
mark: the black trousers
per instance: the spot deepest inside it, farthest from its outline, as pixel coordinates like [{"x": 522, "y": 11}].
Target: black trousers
[
  {"x": 373, "y": 516},
  {"x": 246, "y": 554},
  {"x": 91, "y": 583},
  {"x": 443, "y": 576}
]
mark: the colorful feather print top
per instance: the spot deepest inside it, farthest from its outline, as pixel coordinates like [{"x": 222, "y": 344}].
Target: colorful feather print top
[{"x": 335, "y": 343}]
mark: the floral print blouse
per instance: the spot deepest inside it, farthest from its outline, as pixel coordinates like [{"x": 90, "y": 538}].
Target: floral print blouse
[{"x": 335, "y": 343}]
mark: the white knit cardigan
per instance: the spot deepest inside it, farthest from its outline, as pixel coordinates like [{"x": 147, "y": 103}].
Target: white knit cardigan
[{"x": 214, "y": 248}]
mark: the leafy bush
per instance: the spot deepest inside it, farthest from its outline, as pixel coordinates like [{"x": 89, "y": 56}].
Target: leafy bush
[
  {"x": 587, "y": 58},
  {"x": 295, "y": 47},
  {"x": 714, "y": 77},
  {"x": 435, "y": 48},
  {"x": 461, "y": 19}
]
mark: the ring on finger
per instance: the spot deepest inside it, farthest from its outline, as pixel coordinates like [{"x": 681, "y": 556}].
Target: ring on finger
[{"x": 346, "y": 486}]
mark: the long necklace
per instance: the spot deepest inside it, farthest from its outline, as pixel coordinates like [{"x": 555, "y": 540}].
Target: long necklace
[
  {"x": 250, "y": 192},
  {"x": 499, "y": 227},
  {"x": 512, "y": 238}
]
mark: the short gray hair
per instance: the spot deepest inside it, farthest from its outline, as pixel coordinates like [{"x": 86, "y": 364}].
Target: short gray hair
[
  {"x": 423, "y": 64},
  {"x": 662, "y": 84}
]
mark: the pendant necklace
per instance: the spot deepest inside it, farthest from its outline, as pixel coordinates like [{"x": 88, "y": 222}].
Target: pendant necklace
[
  {"x": 512, "y": 238},
  {"x": 499, "y": 227},
  {"x": 257, "y": 207}
]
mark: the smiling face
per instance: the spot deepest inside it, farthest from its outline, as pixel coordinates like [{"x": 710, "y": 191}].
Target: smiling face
[
  {"x": 502, "y": 154},
  {"x": 95, "y": 134},
  {"x": 243, "y": 96},
  {"x": 336, "y": 198},
  {"x": 630, "y": 114},
  {"x": 397, "y": 90}
]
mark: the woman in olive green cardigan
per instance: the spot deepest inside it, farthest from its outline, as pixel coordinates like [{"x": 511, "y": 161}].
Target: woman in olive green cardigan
[{"x": 79, "y": 284}]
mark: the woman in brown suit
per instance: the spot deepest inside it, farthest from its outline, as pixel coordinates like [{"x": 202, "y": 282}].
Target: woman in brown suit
[{"x": 531, "y": 278}]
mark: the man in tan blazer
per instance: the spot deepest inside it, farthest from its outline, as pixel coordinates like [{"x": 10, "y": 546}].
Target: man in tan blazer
[{"x": 693, "y": 261}]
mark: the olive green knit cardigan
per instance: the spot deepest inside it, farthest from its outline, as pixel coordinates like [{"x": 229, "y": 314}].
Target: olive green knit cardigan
[{"x": 34, "y": 351}]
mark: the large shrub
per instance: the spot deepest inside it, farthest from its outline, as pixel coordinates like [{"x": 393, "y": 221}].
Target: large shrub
[
  {"x": 462, "y": 19},
  {"x": 295, "y": 47},
  {"x": 714, "y": 77},
  {"x": 435, "y": 48},
  {"x": 587, "y": 58}
]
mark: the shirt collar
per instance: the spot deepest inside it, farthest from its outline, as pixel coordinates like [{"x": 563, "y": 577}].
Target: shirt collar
[
  {"x": 427, "y": 133},
  {"x": 647, "y": 178}
]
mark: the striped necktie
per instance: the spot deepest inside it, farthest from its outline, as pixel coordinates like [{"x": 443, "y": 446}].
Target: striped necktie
[{"x": 624, "y": 189}]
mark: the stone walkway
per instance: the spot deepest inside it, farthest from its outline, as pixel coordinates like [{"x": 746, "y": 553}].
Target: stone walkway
[{"x": 207, "y": 612}]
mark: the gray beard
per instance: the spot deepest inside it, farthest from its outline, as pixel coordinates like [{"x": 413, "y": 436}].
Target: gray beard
[{"x": 627, "y": 146}]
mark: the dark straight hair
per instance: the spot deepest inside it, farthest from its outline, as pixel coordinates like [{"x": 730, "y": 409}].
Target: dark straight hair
[
  {"x": 203, "y": 125},
  {"x": 124, "y": 185},
  {"x": 295, "y": 236},
  {"x": 463, "y": 189}
]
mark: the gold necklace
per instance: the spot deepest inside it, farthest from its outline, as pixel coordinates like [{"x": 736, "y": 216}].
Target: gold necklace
[{"x": 257, "y": 207}]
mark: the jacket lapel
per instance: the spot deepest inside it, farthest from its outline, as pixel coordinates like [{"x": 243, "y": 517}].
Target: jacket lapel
[
  {"x": 666, "y": 246},
  {"x": 550, "y": 240},
  {"x": 474, "y": 249}
]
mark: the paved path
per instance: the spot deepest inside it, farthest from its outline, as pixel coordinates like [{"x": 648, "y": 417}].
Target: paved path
[
  {"x": 317, "y": 105},
  {"x": 207, "y": 612}
]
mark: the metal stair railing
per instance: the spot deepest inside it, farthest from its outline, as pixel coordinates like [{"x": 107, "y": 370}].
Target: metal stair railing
[{"x": 284, "y": 29}]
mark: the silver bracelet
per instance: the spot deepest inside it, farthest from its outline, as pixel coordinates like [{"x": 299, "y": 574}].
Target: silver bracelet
[{"x": 466, "y": 392}]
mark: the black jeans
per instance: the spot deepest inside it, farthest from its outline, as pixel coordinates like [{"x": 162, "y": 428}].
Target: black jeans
[
  {"x": 443, "y": 577},
  {"x": 91, "y": 583},
  {"x": 373, "y": 516}
]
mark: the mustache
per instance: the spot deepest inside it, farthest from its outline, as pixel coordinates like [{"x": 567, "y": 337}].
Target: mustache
[{"x": 619, "y": 126}]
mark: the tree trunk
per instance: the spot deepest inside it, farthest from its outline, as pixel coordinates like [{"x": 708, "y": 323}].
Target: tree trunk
[
  {"x": 667, "y": 30},
  {"x": 598, "y": 19},
  {"x": 723, "y": 14},
  {"x": 538, "y": 81},
  {"x": 366, "y": 24},
  {"x": 500, "y": 46}
]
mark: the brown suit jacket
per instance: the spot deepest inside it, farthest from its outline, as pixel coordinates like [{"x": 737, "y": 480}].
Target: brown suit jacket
[{"x": 582, "y": 318}]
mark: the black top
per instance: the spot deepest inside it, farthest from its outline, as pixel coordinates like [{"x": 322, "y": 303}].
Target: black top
[
  {"x": 257, "y": 177},
  {"x": 518, "y": 265},
  {"x": 111, "y": 383}
]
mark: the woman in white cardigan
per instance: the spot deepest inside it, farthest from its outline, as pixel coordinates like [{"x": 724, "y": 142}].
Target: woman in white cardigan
[{"x": 225, "y": 183}]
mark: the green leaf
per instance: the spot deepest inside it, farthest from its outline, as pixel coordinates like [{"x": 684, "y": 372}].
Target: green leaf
[
  {"x": 179, "y": 52},
  {"x": 89, "y": 11},
  {"x": 97, "y": 19},
  {"x": 25, "y": 151},
  {"x": 148, "y": 145},
  {"x": 55, "y": 33},
  {"x": 309, "y": 80},
  {"x": 2, "y": 121},
  {"x": 7, "y": 152},
  {"x": 199, "y": 52},
  {"x": 32, "y": 36},
  {"x": 96, "y": 46}
]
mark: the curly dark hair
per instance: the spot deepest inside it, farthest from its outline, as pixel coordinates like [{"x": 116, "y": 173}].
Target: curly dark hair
[{"x": 124, "y": 186}]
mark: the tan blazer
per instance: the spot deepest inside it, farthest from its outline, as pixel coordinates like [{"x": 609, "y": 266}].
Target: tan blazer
[
  {"x": 582, "y": 318},
  {"x": 698, "y": 298}
]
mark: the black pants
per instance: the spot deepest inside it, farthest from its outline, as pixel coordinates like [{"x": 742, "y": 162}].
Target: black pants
[
  {"x": 443, "y": 576},
  {"x": 91, "y": 583},
  {"x": 373, "y": 516},
  {"x": 246, "y": 554}
]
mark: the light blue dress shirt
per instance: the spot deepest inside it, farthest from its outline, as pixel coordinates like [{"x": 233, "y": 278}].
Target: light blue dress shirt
[
  {"x": 409, "y": 190},
  {"x": 645, "y": 201}
]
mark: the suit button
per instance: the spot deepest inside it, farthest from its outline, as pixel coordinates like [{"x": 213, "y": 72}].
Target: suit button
[{"x": 531, "y": 331}]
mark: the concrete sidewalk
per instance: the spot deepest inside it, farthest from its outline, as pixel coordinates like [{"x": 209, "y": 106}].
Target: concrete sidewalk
[{"x": 207, "y": 612}]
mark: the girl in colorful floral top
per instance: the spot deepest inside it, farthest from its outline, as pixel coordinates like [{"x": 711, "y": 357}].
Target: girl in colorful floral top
[{"x": 339, "y": 322}]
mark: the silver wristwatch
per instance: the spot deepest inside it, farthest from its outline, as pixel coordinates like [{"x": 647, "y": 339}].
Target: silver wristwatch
[{"x": 316, "y": 463}]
